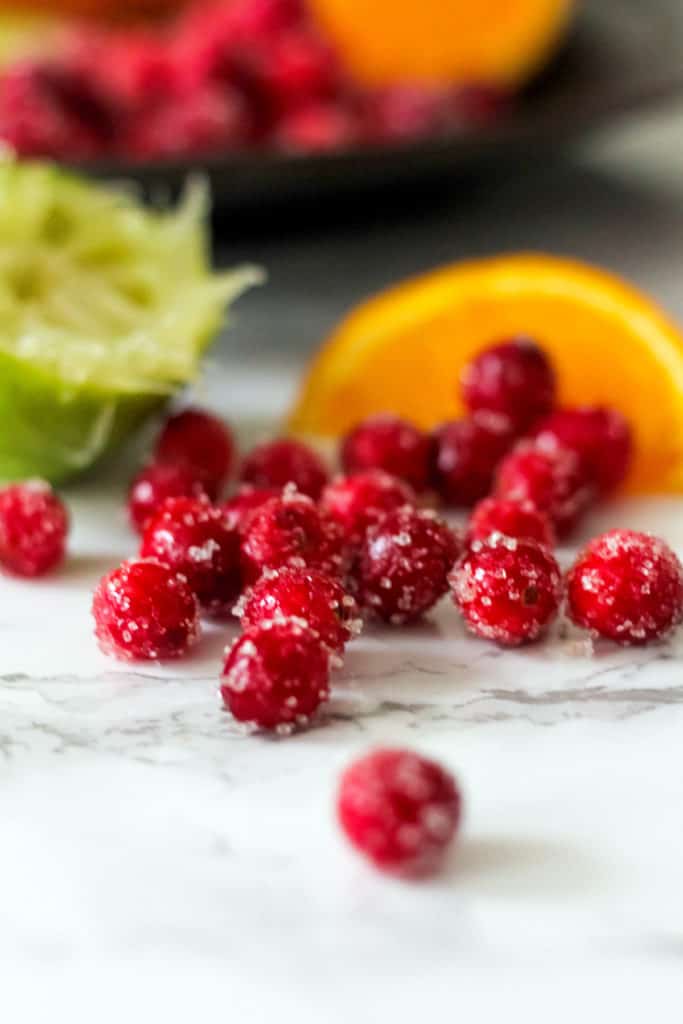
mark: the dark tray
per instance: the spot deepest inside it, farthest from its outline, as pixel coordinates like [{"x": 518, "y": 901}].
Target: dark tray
[{"x": 622, "y": 56}]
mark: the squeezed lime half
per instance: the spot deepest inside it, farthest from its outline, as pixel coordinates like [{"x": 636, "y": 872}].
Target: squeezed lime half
[{"x": 106, "y": 308}]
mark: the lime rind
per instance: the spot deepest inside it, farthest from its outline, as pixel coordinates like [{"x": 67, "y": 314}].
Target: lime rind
[{"x": 106, "y": 308}]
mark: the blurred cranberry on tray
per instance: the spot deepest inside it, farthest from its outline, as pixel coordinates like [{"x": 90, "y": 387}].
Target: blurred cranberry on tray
[
  {"x": 157, "y": 482},
  {"x": 601, "y": 437},
  {"x": 553, "y": 480},
  {"x": 403, "y": 113},
  {"x": 243, "y": 504},
  {"x": 202, "y": 441},
  {"x": 514, "y": 378},
  {"x": 466, "y": 454},
  {"x": 389, "y": 443},
  {"x": 207, "y": 120},
  {"x": 320, "y": 127},
  {"x": 361, "y": 500}
]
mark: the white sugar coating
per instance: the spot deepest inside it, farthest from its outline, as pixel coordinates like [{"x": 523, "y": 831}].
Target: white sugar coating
[{"x": 205, "y": 552}]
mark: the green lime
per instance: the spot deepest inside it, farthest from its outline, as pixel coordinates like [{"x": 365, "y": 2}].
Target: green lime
[{"x": 106, "y": 308}]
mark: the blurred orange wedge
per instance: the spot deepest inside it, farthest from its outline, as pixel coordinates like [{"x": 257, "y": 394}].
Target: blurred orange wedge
[
  {"x": 404, "y": 350},
  {"x": 496, "y": 41}
]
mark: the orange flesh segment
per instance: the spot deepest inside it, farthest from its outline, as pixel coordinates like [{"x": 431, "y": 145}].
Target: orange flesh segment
[
  {"x": 437, "y": 41},
  {"x": 404, "y": 351}
]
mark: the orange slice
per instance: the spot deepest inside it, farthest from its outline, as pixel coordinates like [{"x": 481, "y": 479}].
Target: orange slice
[
  {"x": 404, "y": 350},
  {"x": 495, "y": 41}
]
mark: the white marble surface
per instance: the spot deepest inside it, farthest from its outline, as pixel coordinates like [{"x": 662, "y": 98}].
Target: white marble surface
[{"x": 156, "y": 862}]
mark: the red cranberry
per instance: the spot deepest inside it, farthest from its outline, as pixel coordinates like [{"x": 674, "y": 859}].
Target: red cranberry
[
  {"x": 246, "y": 501},
  {"x": 201, "y": 542},
  {"x": 33, "y": 529},
  {"x": 405, "y": 112},
  {"x": 276, "y": 675},
  {"x": 201, "y": 441},
  {"x": 206, "y": 120},
  {"x": 255, "y": 19},
  {"x": 145, "y": 611},
  {"x": 308, "y": 595},
  {"x": 400, "y": 810},
  {"x": 319, "y": 126},
  {"x": 601, "y": 437},
  {"x": 361, "y": 501},
  {"x": 627, "y": 587},
  {"x": 297, "y": 69},
  {"x": 285, "y": 462},
  {"x": 389, "y": 443},
  {"x": 477, "y": 104},
  {"x": 511, "y": 518},
  {"x": 290, "y": 531},
  {"x": 466, "y": 454},
  {"x": 157, "y": 482},
  {"x": 514, "y": 378},
  {"x": 508, "y": 589},
  {"x": 554, "y": 481},
  {"x": 403, "y": 565}
]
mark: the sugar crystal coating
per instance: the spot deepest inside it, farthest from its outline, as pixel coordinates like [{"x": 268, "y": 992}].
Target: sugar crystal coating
[
  {"x": 507, "y": 589},
  {"x": 290, "y": 530},
  {"x": 276, "y": 675},
  {"x": 246, "y": 501},
  {"x": 627, "y": 587},
  {"x": 513, "y": 518},
  {"x": 159, "y": 481},
  {"x": 34, "y": 525},
  {"x": 201, "y": 542},
  {"x": 361, "y": 500},
  {"x": 400, "y": 810},
  {"x": 309, "y": 596},
  {"x": 552, "y": 479},
  {"x": 145, "y": 611},
  {"x": 402, "y": 568}
]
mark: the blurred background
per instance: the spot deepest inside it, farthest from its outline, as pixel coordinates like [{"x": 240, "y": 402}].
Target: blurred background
[{"x": 352, "y": 142}]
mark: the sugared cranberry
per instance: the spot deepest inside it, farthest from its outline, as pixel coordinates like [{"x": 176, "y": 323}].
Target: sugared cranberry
[
  {"x": 319, "y": 127},
  {"x": 514, "y": 378},
  {"x": 601, "y": 437},
  {"x": 157, "y": 482},
  {"x": 33, "y": 529},
  {"x": 202, "y": 442},
  {"x": 145, "y": 611},
  {"x": 476, "y": 104},
  {"x": 553, "y": 480},
  {"x": 276, "y": 675},
  {"x": 392, "y": 444},
  {"x": 360, "y": 501},
  {"x": 285, "y": 462},
  {"x": 466, "y": 454},
  {"x": 201, "y": 542},
  {"x": 400, "y": 810},
  {"x": 252, "y": 20},
  {"x": 306, "y": 594},
  {"x": 627, "y": 587},
  {"x": 511, "y": 518},
  {"x": 508, "y": 589},
  {"x": 290, "y": 531},
  {"x": 297, "y": 69},
  {"x": 403, "y": 565},
  {"x": 246, "y": 501}
]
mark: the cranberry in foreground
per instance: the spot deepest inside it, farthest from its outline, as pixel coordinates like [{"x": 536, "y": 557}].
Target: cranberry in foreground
[
  {"x": 201, "y": 441},
  {"x": 360, "y": 501},
  {"x": 514, "y": 378},
  {"x": 276, "y": 675},
  {"x": 627, "y": 587},
  {"x": 33, "y": 529},
  {"x": 285, "y": 462},
  {"x": 392, "y": 444},
  {"x": 290, "y": 530},
  {"x": 309, "y": 596},
  {"x": 466, "y": 454},
  {"x": 403, "y": 565},
  {"x": 400, "y": 810},
  {"x": 554, "y": 480},
  {"x": 507, "y": 589},
  {"x": 144, "y": 611},
  {"x": 246, "y": 501},
  {"x": 201, "y": 542},
  {"x": 512, "y": 518},
  {"x": 157, "y": 482},
  {"x": 602, "y": 439}
]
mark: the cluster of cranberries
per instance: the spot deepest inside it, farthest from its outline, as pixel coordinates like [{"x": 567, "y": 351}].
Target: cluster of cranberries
[
  {"x": 299, "y": 558},
  {"x": 226, "y": 75}
]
